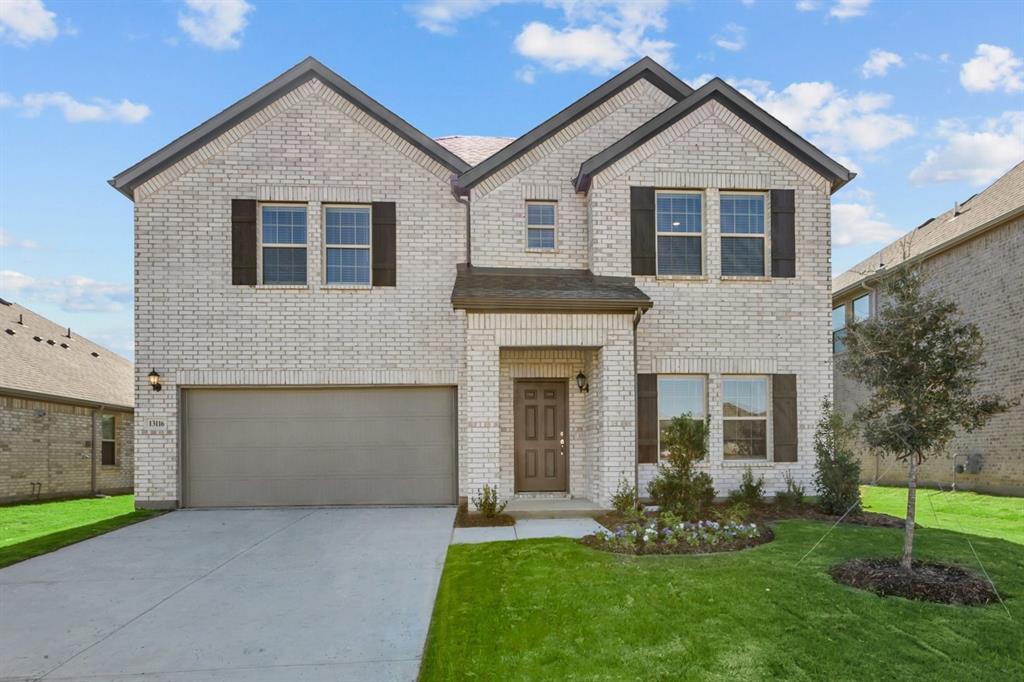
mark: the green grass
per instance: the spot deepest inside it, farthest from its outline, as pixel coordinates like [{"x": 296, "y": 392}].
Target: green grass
[
  {"x": 965, "y": 512},
  {"x": 28, "y": 530},
  {"x": 553, "y": 609}
]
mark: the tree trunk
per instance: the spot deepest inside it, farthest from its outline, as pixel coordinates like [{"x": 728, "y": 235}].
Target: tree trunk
[{"x": 908, "y": 524}]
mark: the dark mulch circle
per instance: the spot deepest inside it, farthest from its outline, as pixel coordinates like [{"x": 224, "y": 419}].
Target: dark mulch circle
[
  {"x": 467, "y": 519},
  {"x": 773, "y": 512},
  {"x": 929, "y": 581}
]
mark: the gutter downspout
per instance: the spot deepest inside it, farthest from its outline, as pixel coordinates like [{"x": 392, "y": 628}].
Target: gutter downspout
[
  {"x": 462, "y": 196},
  {"x": 637, "y": 316}
]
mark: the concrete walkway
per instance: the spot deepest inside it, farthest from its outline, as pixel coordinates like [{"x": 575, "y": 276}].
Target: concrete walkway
[
  {"x": 526, "y": 529},
  {"x": 261, "y": 595}
]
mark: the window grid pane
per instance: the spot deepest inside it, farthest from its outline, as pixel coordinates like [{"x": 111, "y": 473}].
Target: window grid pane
[
  {"x": 679, "y": 255},
  {"x": 745, "y": 397},
  {"x": 542, "y": 215},
  {"x": 108, "y": 453},
  {"x": 348, "y": 266},
  {"x": 678, "y": 213},
  {"x": 743, "y": 256},
  {"x": 746, "y": 439},
  {"x": 348, "y": 226},
  {"x": 107, "y": 427},
  {"x": 285, "y": 265},
  {"x": 540, "y": 238},
  {"x": 284, "y": 225},
  {"x": 742, "y": 214}
]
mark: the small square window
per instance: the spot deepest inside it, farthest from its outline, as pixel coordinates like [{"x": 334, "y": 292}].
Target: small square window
[{"x": 540, "y": 225}]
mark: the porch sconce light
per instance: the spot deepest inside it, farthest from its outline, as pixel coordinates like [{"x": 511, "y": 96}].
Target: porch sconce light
[
  {"x": 582, "y": 383},
  {"x": 154, "y": 380}
]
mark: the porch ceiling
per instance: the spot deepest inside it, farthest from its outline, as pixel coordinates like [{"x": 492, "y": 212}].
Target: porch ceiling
[{"x": 536, "y": 289}]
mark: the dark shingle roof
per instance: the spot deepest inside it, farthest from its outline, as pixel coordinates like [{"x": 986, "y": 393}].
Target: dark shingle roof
[{"x": 544, "y": 289}]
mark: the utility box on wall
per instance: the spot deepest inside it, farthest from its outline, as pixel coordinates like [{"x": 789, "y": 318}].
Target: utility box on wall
[{"x": 971, "y": 465}]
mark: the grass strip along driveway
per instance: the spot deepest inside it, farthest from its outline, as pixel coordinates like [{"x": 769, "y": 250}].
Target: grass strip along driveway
[
  {"x": 552, "y": 609},
  {"x": 964, "y": 512},
  {"x": 27, "y": 530}
]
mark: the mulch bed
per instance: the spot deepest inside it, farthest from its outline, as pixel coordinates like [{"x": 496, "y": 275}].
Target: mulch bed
[
  {"x": 929, "y": 581},
  {"x": 771, "y": 512},
  {"x": 594, "y": 542},
  {"x": 467, "y": 519}
]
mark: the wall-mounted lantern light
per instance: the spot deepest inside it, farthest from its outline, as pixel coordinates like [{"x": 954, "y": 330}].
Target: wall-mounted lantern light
[
  {"x": 154, "y": 380},
  {"x": 582, "y": 383}
]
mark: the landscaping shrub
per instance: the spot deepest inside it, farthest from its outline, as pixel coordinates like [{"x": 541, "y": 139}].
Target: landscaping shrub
[
  {"x": 625, "y": 499},
  {"x": 669, "y": 534},
  {"x": 487, "y": 502},
  {"x": 737, "y": 512},
  {"x": 678, "y": 488},
  {"x": 794, "y": 494},
  {"x": 750, "y": 492},
  {"x": 836, "y": 470}
]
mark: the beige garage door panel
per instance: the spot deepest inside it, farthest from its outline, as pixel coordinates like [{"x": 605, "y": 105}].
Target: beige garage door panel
[{"x": 280, "y": 447}]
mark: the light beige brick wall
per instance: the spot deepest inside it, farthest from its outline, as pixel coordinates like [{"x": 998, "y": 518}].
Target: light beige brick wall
[
  {"x": 714, "y": 326},
  {"x": 46, "y": 451},
  {"x": 196, "y": 329},
  {"x": 545, "y": 173},
  {"x": 983, "y": 277}
]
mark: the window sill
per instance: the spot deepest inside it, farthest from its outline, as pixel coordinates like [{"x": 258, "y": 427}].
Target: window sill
[
  {"x": 746, "y": 278},
  {"x": 293, "y": 287},
  {"x": 681, "y": 278},
  {"x": 536, "y": 250},
  {"x": 346, "y": 287},
  {"x": 744, "y": 463},
  {"x": 110, "y": 466}
]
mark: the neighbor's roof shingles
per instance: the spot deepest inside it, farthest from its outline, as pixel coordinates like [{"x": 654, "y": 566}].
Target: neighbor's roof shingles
[
  {"x": 49, "y": 370},
  {"x": 1001, "y": 201},
  {"x": 473, "y": 148}
]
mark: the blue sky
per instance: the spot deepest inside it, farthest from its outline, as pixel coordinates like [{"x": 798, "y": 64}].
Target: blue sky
[{"x": 923, "y": 99}]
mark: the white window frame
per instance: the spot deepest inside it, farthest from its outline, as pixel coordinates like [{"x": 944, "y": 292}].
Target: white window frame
[
  {"x": 769, "y": 453},
  {"x": 700, "y": 194},
  {"x": 325, "y": 247},
  {"x": 704, "y": 381},
  {"x": 260, "y": 244},
  {"x": 112, "y": 441},
  {"x": 553, "y": 227},
  {"x": 764, "y": 234}
]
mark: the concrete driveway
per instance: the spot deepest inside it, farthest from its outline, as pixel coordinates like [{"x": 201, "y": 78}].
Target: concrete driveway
[{"x": 260, "y": 595}]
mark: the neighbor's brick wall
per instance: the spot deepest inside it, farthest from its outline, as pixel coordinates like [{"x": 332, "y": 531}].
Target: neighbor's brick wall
[
  {"x": 984, "y": 278},
  {"x": 195, "y": 328},
  {"x": 50, "y": 444},
  {"x": 545, "y": 173},
  {"x": 714, "y": 326}
]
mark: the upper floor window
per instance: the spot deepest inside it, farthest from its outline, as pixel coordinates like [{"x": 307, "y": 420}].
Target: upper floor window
[
  {"x": 838, "y": 328},
  {"x": 283, "y": 242},
  {"x": 745, "y": 417},
  {"x": 108, "y": 440},
  {"x": 743, "y": 234},
  {"x": 679, "y": 395},
  {"x": 347, "y": 240},
  {"x": 679, "y": 224},
  {"x": 862, "y": 308},
  {"x": 540, "y": 225}
]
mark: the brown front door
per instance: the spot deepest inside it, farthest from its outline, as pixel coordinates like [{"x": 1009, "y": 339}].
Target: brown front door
[{"x": 541, "y": 435}]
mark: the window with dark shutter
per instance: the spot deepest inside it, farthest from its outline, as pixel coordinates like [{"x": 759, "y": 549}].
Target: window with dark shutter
[
  {"x": 384, "y": 243},
  {"x": 642, "y": 230},
  {"x": 783, "y": 233},
  {"x": 243, "y": 241},
  {"x": 647, "y": 418},
  {"x": 784, "y": 422}
]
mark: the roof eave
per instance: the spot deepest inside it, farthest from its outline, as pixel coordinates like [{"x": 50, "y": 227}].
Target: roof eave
[{"x": 509, "y": 304}]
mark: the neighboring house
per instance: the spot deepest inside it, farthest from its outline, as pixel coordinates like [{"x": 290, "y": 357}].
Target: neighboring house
[
  {"x": 66, "y": 417},
  {"x": 342, "y": 310},
  {"x": 973, "y": 255}
]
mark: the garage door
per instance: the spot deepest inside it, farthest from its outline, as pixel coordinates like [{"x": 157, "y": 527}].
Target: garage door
[{"x": 281, "y": 447}]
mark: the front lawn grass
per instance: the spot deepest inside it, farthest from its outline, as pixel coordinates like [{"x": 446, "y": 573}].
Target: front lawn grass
[
  {"x": 27, "y": 530},
  {"x": 553, "y": 609},
  {"x": 963, "y": 512}
]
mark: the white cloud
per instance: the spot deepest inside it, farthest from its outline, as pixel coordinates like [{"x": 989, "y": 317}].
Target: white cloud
[
  {"x": 8, "y": 240},
  {"x": 974, "y": 156},
  {"x": 527, "y": 75},
  {"x": 733, "y": 37},
  {"x": 993, "y": 68},
  {"x": 855, "y": 224},
  {"x": 847, "y": 9},
  {"x": 216, "y": 24},
  {"x": 73, "y": 294},
  {"x": 74, "y": 111},
  {"x": 441, "y": 16},
  {"x": 6, "y": 101},
  {"x": 26, "y": 21},
  {"x": 806, "y": 5},
  {"x": 879, "y": 62}
]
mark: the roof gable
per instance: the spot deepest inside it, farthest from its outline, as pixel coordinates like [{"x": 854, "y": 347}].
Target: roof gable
[
  {"x": 646, "y": 68},
  {"x": 309, "y": 68},
  {"x": 721, "y": 92}
]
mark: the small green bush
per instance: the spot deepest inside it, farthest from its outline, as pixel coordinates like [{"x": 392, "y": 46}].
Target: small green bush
[
  {"x": 625, "y": 499},
  {"x": 678, "y": 488},
  {"x": 750, "y": 492},
  {"x": 487, "y": 502},
  {"x": 794, "y": 494},
  {"x": 837, "y": 471},
  {"x": 736, "y": 513}
]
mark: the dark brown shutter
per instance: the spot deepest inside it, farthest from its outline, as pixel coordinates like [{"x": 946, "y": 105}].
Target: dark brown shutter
[
  {"x": 243, "y": 241},
  {"x": 384, "y": 243},
  {"x": 647, "y": 418},
  {"x": 641, "y": 219},
  {"x": 784, "y": 417},
  {"x": 783, "y": 233}
]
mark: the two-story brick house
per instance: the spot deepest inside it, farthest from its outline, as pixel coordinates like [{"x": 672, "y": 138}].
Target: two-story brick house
[{"x": 342, "y": 310}]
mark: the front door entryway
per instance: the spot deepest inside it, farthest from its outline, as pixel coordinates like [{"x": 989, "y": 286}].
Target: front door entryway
[{"x": 541, "y": 436}]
